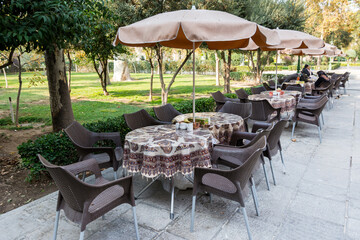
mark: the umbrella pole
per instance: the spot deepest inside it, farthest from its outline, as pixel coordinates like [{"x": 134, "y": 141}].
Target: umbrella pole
[
  {"x": 276, "y": 77},
  {"x": 193, "y": 82},
  {"x": 298, "y": 66}
]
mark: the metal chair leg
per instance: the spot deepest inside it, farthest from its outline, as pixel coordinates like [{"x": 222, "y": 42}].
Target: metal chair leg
[
  {"x": 293, "y": 130},
  {"x": 56, "y": 224},
  {"x": 322, "y": 118},
  {"x": 266, "y": 177},
  {"x": 319, "y": 130},
  {"x": 272, "y": 172},
  {"x": 172, "y": 199},
  {"x": 115, "y": 175},
  {"x": 136, "y": 223},
  {"x": 210, "y": 195},
  {"x": 82, "y": 235},
  {"x": 254, "y": 195},
  {"x": 282, "y": 161},
  {"x": 246, "y": 222},
  {"x": 192, "y": 214}
]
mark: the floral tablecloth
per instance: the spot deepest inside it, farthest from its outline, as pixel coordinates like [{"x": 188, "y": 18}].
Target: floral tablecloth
[
  {"x": 286, "y": 92},
  {"x": 162, "y": 149},
  {"x": 287, "y": 103},
  {"x": 221, "y": 125}
]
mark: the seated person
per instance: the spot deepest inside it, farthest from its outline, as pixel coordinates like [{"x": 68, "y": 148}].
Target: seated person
[
  {"x": 306, "y": 70},
  {"x": 322, "y": 79}
]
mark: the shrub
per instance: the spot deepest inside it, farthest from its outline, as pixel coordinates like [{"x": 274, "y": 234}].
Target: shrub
[
  {"x": 54, "y": 147},
  {"x": 239, "y": 76}
]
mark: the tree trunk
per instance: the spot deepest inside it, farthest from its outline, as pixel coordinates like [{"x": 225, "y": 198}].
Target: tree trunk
[
  {"x": 227, "y": 67},
  {"x": 101, "y": 71},
  {"x": 70, "y": 65},
  {"x": 19, "y": 92},
  {"x": 217, "y": 69},
  {"x": 107, "y": 74},
  {"x": 258, "y": 66},
  {"x": 165, "y": 90},
  {"x": 60, "y": 102},
  {"x": 121, "y": 71},
  {"x": 6, "y": 82},
  {"x": 151, "y": 79}
]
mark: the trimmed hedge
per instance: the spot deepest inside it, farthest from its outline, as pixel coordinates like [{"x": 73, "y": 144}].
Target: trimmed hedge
[
  {"x": 240, "y": 76},
  {"x": 58, "y": 149}
]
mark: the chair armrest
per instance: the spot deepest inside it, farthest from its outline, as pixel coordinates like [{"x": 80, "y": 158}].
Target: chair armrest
[
  {"x": 83, "y": 166},
  {"x": 114, "y": 136},
  {"x": 260, "y": 125},
  {"x": 238, "y": 135}
]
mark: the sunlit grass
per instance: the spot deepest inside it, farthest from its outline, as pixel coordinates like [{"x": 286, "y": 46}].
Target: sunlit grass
[{"x": 90, "y": 104}]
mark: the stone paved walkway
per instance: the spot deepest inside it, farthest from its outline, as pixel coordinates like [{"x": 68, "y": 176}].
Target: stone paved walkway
[{"x": 318, "y": 197}]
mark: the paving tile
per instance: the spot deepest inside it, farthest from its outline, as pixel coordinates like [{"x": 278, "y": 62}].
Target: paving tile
[
  {"x": 327, "y": 175},
  {"x": 297, "y": 226},
  {"x": 354, "y": 208},
  {"x": 168, "y": 236},
  {"x": 209, "y": 218},
  {"x": 355, "y": 190},
  {"x": 323, "y": 190},
  {"x": 313, "y": 206},
  {"x": 353, "y": 229}
]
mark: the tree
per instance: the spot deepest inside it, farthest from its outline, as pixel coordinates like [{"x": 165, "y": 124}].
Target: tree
[
  {"x": 99, "y": 47},
  {"x": 49, "y": 25}
]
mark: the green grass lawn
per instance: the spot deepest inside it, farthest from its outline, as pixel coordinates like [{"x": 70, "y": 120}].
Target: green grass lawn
[{"x": 89, "y": 103}]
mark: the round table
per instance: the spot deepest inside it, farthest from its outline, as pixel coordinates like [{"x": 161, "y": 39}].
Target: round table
[
  {"x": 286, "y": 92},
  {"x": 287, "y": 103},
  {"x": 162, "y": 149},
  {"x": 308, "y": 85},
  {"x": 221, "y": 125}
]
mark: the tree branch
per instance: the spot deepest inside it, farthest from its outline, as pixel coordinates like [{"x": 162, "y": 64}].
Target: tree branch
[
  {"x": 178, "y": 70},
  {"x": 10, "y": 62}
]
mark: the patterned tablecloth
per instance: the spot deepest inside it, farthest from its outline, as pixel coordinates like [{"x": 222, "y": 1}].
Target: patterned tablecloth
[
  {"x": 286, "y": 92},
  {"x": 287, "y": 103},
  {"x": 162, "y": 149},
  {"x": 221, "y": 124}
]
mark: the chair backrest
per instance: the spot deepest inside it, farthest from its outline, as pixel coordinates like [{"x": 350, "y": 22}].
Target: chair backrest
[
  {"x": 79, "y": 135},
  {"x": 241, "y": 109},
  {"x": 271, "y": 83},
  {"x": 267, "y": 87},
  {"x": 242, "y": 95},
  {"x": 275, "y": 133},
  {"x": 166, "y": 112},
  {"x": 139, "y": 119},
  {"x": 288, "y": 78},
  {"x": 257, "y": 90},
  {"x": 295, "y": 88},
  {"x": 218, "y": 96},
  {"x": 261, "y": 109},
  {"x": 244, "y": 171},
  {"x": 70, "y": 187}
]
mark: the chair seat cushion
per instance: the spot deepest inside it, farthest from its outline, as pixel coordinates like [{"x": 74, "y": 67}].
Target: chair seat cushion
[
  {"x": 106, "y": 197},
  {"x": 218, "y": 182}
]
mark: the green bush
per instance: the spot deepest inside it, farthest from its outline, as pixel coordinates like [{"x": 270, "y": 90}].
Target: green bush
[
  {"x": 239, "y": 76},
  {"x": 55, "y": 147},
  {"x": 271, "y": 76}
]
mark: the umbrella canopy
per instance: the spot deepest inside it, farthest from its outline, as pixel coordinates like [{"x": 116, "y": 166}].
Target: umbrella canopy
[
  {"x": 290, "y": 39},
  {"x": 328, "y": 50},
  {"x": 180, "y": 29}
]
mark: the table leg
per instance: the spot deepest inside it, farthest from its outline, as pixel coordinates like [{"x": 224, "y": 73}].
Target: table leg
[
  {"x": 146, "y": 187},
  {"x": 172, "y": 198}
]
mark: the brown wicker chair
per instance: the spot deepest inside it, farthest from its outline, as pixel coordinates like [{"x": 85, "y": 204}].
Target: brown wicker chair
[
  {"x": 220, "y": 100},
  {"x": 241, "y": 109},
  {"x": 258, "y": 90},
  {"x": 83, "y": 202},
  {"x": 309, "y": 113},
  {"x": 166, "y": 113},
  {"x": 344, "y": 80},
  {"x": 268, "y": 87},
  {"x": 242, "y": 95},
  {"x": 262, "y": 111},
  {"x": 141, "y": 119},
  {"x": 84, "y": 141},
  {"x": 230, "y": 156},
  {"x": 229, "y": 184}
]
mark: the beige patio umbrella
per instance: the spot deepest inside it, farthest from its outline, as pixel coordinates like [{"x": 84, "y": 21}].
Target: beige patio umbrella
[
  {"x": 288, "y": 39},
  {"x": 187, "y": 29}
]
